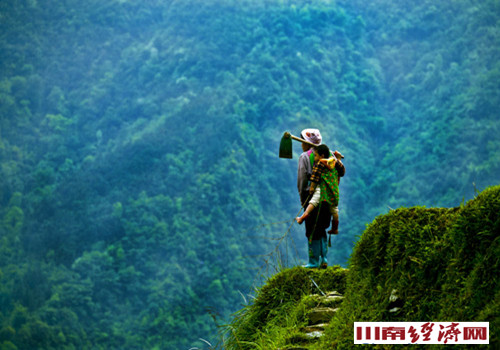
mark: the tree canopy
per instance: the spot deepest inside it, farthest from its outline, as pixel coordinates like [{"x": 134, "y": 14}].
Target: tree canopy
[{"x": 141, "y": 186}]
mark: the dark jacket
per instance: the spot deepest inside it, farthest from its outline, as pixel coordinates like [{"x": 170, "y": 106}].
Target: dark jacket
[{"x": 318, "y": 221}]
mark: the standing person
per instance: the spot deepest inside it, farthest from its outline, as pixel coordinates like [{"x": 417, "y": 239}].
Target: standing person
[
  {"x": 315, "y": 233},
  {"x": 318, "y": 219},
  {"x": 324, "y": 186},
  {"x": 305, "y": 165}
]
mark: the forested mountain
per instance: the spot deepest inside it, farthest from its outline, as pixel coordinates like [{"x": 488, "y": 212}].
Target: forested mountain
[{"x": 141, "y": 186}]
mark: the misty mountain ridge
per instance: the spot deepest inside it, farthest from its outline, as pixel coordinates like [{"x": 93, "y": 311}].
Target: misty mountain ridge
[{"x": 141, "y": 188}]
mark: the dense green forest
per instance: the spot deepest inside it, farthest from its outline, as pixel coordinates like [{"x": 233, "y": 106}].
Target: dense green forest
[{"x": 142, "y": 196}]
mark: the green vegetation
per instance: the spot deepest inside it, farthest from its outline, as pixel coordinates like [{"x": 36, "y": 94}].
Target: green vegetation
[
  {"x": 440, "y": 265},
  {"x": 141, "y": 186},
  {"x": 280, "y": 308}
]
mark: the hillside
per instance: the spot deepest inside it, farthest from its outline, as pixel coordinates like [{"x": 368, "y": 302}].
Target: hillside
[
  {"x": 142, "y": 194},
  {"x": 412, "y": 264}
]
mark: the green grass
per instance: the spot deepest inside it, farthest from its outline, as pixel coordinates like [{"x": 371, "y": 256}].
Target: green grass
[
  {"x": 280, "y": 310},
  {"x": 441, "y": 263}
]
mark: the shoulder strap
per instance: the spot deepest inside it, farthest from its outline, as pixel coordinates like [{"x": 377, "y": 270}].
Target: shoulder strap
[{"x": 311, "y": 158}]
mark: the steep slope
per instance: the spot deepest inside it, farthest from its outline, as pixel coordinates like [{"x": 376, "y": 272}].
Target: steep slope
[
  {"x": 138, "y": 147},
  {"x": 412, "y": 264}
]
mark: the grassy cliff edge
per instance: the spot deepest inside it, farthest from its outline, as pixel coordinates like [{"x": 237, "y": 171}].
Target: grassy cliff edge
[{"x": 411, "y": 264}]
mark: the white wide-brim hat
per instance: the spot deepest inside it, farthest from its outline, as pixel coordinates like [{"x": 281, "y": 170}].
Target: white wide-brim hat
[{"x": 312, "y": 135}]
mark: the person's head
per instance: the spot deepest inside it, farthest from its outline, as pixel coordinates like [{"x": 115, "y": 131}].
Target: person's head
[
  {"x": 321, "y": 152},
  {"x": 310, "y": 135}
]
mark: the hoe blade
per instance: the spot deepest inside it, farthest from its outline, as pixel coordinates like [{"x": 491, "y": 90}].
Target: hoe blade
[{"x": 286, "y": 146}]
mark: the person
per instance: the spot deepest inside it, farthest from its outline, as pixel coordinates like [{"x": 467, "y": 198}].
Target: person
[
  {"x": 324, "y": 184},
  {"x": 315, "y": 229},
  {"x": 305, "y": 166},
  {"x": 319, "y": 219}
]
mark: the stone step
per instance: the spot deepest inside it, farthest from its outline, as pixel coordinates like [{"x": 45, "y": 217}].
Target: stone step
[
  {"x": 314, "y": 335},
  {"x": 315, "y": 331},
  {"x": 321, "y": 315},
  {"x": 333, "y": 293},
  {"x": 315, "y": 328},
  {"x": 331, "y": 299}
]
